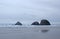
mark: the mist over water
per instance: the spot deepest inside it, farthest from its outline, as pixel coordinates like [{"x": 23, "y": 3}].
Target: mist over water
[
  {"x": 26, "y": 12},
  {"x": 30, "y": 10}
]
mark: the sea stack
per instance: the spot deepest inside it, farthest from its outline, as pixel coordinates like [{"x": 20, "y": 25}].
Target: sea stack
[
  {"x": 45, "y": 22},
  {"x": 18, "y": 23},
  {"x": 35, "y": 23}
]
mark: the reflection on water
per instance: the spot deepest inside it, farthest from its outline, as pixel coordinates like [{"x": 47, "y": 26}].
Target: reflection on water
[
  {"x": 29, "y": 32},
  {"x": 44, "y": 31}
]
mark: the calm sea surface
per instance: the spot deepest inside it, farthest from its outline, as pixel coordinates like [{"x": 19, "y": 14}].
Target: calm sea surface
[{"x": 29, "y": 32}]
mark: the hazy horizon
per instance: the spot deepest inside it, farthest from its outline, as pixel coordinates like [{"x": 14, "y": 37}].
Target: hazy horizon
[{"x": 30, "y": 10}]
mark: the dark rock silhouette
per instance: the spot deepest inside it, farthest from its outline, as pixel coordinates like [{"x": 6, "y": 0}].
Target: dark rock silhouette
[
  {"x": 45, "y": 22},
  {"x": 18, "y": 23},
  {"x": 35, "y": 23}
]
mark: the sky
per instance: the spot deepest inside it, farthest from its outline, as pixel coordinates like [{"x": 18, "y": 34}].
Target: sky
[{"x": 30, "y": 9}]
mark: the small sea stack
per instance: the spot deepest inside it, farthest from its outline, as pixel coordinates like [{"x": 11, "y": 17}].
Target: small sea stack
[
  {"x": 45, "y": 22},
  {"x": 35, "y": 23},
  {"x": 18, "y": 23}
]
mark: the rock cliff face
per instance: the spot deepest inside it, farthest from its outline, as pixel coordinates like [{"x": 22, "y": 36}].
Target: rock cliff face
[
  {"x": 35, "y": 23},
  {"x": 18, "y": 23},
  {"x": 45, "y": 22}
]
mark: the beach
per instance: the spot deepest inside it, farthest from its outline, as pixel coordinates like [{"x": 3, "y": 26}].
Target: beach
[{"x": 30, "y": 32}]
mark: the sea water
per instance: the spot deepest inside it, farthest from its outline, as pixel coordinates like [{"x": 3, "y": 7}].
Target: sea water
[
  {"x": 28, "y": 31},
  {"x": 8, "y": 31}
]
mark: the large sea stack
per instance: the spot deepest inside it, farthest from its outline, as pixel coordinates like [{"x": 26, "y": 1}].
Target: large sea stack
[
  {"x": 35, "y": 23},
  {"x": 45, "y": 22},
  {"x": 18, "y": 23}
]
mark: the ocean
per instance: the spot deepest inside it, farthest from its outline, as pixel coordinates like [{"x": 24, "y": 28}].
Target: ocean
[
  {"x": 27, "y": 31},
  {"x": 10, "y": 31}
]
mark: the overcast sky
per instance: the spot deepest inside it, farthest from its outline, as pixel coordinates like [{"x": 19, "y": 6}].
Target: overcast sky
[{"x": 30, "y": 9}]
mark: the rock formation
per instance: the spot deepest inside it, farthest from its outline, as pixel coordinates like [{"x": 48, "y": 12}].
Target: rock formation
[
  {"x": 35, "y": 23},
  {"x": 18, "y": 23},
  {"x": 45, "y": 22}
]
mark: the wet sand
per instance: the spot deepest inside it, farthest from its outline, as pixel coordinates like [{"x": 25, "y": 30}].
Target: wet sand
[{"x": 30, "y": 32}]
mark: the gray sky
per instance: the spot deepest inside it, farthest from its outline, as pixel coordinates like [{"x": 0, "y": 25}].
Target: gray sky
[{"x": 30, "y": 9}]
